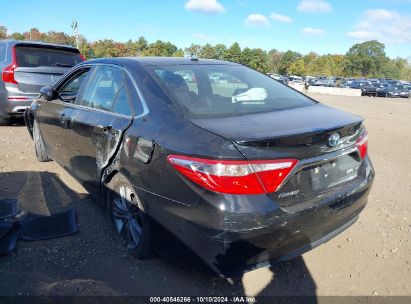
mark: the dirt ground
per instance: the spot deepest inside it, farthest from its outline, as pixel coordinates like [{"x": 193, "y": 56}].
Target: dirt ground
[{"x": 373, "y": 257}]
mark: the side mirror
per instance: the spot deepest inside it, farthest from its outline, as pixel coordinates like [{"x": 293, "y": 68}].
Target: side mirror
[{"x": 47, "y": 93}]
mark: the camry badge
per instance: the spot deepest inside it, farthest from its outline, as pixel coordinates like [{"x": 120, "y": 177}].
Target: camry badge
[{"x": 334, "y": 140}]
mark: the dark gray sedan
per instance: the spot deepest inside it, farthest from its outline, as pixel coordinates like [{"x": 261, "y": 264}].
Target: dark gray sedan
[{"x": 231, "y": 174}]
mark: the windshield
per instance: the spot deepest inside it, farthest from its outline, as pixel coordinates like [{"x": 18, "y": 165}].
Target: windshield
[
  {"x": 41, "y": 56},
  {"x": 225, "y": 90}
]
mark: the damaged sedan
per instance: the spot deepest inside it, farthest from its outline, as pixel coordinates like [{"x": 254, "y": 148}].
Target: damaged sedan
[{"x": 207, "y": 162}]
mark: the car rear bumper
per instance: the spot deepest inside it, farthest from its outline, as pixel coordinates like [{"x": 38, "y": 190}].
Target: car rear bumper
[
  {"x": 15, "y": 105},
  {"x": 234, "y": 234},
  {"x": 283, "y": 241}
]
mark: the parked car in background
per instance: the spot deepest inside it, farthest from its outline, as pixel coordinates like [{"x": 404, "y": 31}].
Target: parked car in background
[
  {"x": 370, "y": 89},
  {"x": 295, "y": 79},
  {"x": 382, "y": 89},
  {"x": 391, "y": 91},
  {"x": 324, "y": 82},
  {"x": 26, "y": 67},
  {"x": 309, "y": 79},
  {"x": 280, "y": 78},
  {"x": 360, "y": 84},
  {"x": 404, "y": 90},
  {"x": 233, "y": 176}
]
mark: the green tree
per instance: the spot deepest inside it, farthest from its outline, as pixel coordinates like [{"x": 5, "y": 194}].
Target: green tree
[
  {"x": 274, "y": 60},
  {"x": 3, "y": 32},
  {"x": 287, "y": 60},
  {"x": 403, "y": 67},
  {"x": 160, "y": 48},
  {"x": 17, "y": 36},
  {"x": 135, "y": 48},
  {"x": 59, "y": 38},
  {"x": 297, "y": 68},
  {"x": 193, "y": 50},
  {"x": 366, "y": 59},
  {"x": 219, "y": 50},
  {"x": 207, "y": 51},
  {"x": 34, "y": 35},
  {"x": 326, "y": 65},
  {"x": 105, "y": 48},
  {"x": 259, "y": 60},
  {"x": 247, "y": 56},
  {"x": 233, "y": 53},
  {"x": 179, "y": 53}
]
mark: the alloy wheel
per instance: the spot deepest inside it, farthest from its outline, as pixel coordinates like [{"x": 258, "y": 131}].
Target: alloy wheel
[{"x": 127, "y": 218}]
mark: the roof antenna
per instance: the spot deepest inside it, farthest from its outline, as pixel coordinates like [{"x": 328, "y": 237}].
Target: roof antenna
[{"x": 193, "y": 57}]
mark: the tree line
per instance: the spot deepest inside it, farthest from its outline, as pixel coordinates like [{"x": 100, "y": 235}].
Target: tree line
[{"x": 367, "y": 59}]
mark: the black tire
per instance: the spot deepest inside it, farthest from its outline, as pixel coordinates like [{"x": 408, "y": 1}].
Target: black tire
[
  {"x": 39, "y": 147},
  {"x": 4, "y": 121},
  {"x": 126, "y": 213}
]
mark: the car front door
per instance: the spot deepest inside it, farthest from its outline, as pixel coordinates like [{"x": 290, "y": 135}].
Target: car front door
[
  {"x": 98, "y": 119},
  {"x": 53, "y": 115}
]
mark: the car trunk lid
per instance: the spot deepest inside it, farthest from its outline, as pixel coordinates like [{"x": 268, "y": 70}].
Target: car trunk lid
[{"x": 301, "y": 134}]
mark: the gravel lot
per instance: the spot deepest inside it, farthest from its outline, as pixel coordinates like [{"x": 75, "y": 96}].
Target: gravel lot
[{"x": 370, "y": 258}]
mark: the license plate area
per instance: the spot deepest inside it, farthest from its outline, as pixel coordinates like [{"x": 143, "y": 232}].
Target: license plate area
[{"x": 334, "y": 172}]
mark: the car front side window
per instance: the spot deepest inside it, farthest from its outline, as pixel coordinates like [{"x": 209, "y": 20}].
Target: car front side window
[{"x": 69, "y": 91}]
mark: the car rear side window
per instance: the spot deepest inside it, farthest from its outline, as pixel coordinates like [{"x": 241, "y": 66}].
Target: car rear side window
[
  {"x": 102, "y": 88},
  {"x": 122, "y": 102},
  {"x": 31, "y": 56},
  {"x": 107, "y": 90}
]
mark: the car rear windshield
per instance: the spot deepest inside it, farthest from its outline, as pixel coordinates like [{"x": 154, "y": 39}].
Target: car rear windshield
[
  {"x": 218, "y": 90},
  {"x": 41, "y": 56}
]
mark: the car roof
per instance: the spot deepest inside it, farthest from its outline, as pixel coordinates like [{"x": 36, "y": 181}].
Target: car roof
[
  {"x": 147, "y": 61},
  {"x": 34, "y": 43}
]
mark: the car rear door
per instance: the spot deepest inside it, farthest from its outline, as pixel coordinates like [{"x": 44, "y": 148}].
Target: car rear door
[
  {"x": 40, "y": 65},
  {"x": 53, "y": 115},
  {"x": 98, "y": 120}
]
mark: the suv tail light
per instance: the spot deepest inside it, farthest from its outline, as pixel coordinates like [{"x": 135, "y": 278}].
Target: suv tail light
[
  {"x": 234, "y": 176},
  {"x": 8, "y": 72},
  {"x": 362, "y": 144}
]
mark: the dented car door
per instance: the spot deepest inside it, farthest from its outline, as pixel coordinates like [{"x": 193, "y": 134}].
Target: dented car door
[{"x": 98, "y": 121}]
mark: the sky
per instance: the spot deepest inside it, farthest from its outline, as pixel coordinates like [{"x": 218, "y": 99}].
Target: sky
[{"x": 322, "y": 26}]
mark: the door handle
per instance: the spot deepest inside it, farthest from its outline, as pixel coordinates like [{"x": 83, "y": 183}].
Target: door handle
[
  {"x": 62, "y": 118},
  {"x": 103, "y": 129}
]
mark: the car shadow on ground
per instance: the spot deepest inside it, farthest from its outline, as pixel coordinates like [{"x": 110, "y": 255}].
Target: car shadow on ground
[{"x": 93, "y": 262}]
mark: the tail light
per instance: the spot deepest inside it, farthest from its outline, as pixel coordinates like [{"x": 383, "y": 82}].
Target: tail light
[
  {"x": 8, "y": 72},
  {"x": 82, "y": 57},
  {"x": 362, "y": 144},
  {"x": 233, "y": 176}
]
